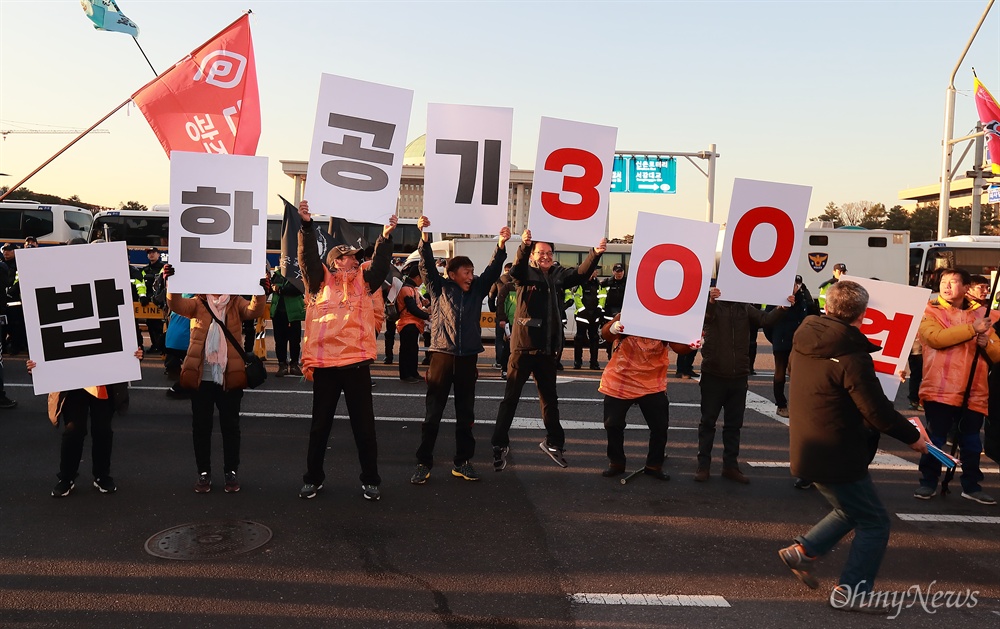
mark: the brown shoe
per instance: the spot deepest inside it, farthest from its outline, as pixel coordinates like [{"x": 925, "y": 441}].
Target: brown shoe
[
  {"x": 734, "y": 474},
  {"x": 701, "y": 475}
]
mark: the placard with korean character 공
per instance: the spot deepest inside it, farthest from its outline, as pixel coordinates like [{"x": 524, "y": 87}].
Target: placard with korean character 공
[
  {"x": 218, "y": 223},
  {"x": 78, "y": 315}
]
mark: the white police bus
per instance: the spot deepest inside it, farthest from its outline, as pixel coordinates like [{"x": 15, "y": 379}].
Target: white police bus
[{"x": 50, "y": 224}]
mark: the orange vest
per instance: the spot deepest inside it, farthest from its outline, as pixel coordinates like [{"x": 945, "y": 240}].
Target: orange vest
[
  {"x": 638, "y": 367},
  {"x": 339, "y": 324},
  {"x": 405, "y": 316},
  {"x": 946, "y": 369}
]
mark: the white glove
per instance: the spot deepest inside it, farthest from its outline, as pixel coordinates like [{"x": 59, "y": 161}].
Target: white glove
[
  {"x": 506, "y": 329},
  {"x": 617, "y": 327}
]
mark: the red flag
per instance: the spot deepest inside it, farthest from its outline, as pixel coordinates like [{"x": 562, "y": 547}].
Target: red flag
[
  {"x": 989, "y": 115},
  {"x": 208, "y": 102}
]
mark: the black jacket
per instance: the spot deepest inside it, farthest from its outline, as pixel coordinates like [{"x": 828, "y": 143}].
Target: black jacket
[
  {"x": 780, "y": 334},
  {"x": 836, "y": 406},
  {"x": 538, "y": 317},
  {"x": 615, "y": 296},
  {"x": 726, "y": 352},
  {"x": 455, "y": 313}
]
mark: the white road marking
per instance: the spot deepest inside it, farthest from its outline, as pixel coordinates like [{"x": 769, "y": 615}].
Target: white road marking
[
  {"x": 936, "y": 517},
  {"x": 520, "y": 423},
  {"x": 670, "y": 600}
]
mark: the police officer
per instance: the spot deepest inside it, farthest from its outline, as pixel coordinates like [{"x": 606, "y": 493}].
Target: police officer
[
  {"x": 589, "y": 301},
  {"x": 614, "y": 288},
  {"x": 838, "y": 269}
]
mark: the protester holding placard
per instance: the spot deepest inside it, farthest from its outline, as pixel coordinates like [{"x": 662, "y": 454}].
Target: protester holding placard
[
  {"x": 725, "y": 369},
  {"x": 456, "y": 342},
  {"x": 637, "y": 374},
  {"x": 339, "y": 347},
  {"x": 536, "y": 341},
  {"x": 411, "y": 323},
  {"x": 214, "y": 372},
  {"x": 956, "y": 335},
  {"x": 780, "y": 335},
  {"x": 838, "y": 409}
]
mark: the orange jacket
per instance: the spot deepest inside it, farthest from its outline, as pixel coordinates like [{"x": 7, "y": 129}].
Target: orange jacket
[
  {"x": 405, "y": 316},
  {"x": 638, "y": 365},
  {"x": 237, "y": 310},
  {"x": 949, "y": 347},
  {"x": 340, "y": 322}
]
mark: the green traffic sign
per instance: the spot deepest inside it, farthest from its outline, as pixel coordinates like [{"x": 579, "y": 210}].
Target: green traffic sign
[{"x": 639, "y": 173}]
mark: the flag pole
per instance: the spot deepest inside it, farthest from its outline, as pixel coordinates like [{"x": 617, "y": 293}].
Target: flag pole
[
  {"x": 64, "y": 149},
  {"x": 136, "y": 40}
]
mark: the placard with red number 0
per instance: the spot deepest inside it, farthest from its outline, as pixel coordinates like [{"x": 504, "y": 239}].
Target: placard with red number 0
[
  {"x": 572, "y": 184},
  {"x": 891, "y": 322},
  {"x": 667, "y": 288},
  {"x": 764, "y": 235}
]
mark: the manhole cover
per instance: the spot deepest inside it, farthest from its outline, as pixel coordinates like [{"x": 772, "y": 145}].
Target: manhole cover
[{"x": 208, "y": 540}]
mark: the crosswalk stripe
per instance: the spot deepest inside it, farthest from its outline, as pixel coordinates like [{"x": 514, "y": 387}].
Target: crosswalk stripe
[
  {"x": 939, "y": 517},
  {"x": 520, "y": 423},
  {"x": 670, "y": 600}
]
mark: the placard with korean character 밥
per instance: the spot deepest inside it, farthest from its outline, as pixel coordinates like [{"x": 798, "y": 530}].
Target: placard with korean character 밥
[
  {"x": 218, "y": 223},
  {"x": 78, "y": 315},
  {"x": 358, "y": 142}
]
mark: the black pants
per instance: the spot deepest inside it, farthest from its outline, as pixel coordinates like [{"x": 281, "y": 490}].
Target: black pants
[
  {"x": 155, "y": 328},
  {"x": 356, "y": 384},
  {"x": 717, "y": 395},
  {"x": 685, "y": 362},
  {"x": 780, "y": 367},
  {"x": 916, "y": 364},
  {"x": 287, "y": 337},
  {"x": 409, "y": 351},
  {"x": 390, "y": 336},
  {"x": 204, "y": 401},
  {"x": 249, "y": 335},
  {"x": 655, "y": 409},
  {"x": 543, "y": 368},
  {"x": 588, "y": 334},
  {"x": 78, "y": 406},
  {"x": 444, "y": 371}
]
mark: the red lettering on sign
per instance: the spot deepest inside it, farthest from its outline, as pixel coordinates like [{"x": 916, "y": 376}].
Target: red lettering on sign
[
  {"x": 586, "y": 185},
  {"x": 645, "y": 280},
  {"x": 877, "y": 322},
  {"x": 883, "y": 367},
  {"x": 782, "y": 249}
]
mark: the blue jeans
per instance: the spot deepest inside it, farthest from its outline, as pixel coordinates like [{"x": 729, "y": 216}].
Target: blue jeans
[
  {"x": 855, "y": 507},
  {"x": 940, "y": 418}
]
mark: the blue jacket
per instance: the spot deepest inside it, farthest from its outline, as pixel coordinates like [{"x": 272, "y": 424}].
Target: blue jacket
[{"x": 455, "y": 313}]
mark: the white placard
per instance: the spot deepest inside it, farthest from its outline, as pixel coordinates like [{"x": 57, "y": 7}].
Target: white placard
[
  {"x": 358, "y": 143},
  {"x": 218, "y": 223},
  {"x": 891, "y": 322},
  {"x": 669, "y": 274},
  {"x": 764, "y": 234},
  {"x": 467, "y": 168},
  {"x": 79, "y": 316},
  {"x": 572, "y": 183}
]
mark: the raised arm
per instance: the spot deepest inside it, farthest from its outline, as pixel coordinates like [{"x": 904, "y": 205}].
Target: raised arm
[{"x": 308, "y": 251}]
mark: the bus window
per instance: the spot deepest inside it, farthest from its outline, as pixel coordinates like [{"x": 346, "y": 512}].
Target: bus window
[
  {"x": 570, "y": 259},
  {"x": 916, "y": 264},
  {"x": 37, "y": 223},
  {"x": 80, "y": 221}
]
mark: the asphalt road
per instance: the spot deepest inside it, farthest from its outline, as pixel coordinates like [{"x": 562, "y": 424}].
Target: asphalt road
[{"x": 533, "y": 546}]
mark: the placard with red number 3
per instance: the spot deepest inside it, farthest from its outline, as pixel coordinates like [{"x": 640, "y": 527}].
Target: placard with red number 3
[
  {"x": 667, "y": 288},
  {"x": 891, "y": 322},
  {"x": 572, "y": 184},
  {"x": 764, "y": 235}
]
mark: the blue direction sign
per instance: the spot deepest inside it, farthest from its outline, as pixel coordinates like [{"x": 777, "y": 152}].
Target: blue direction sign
[
  {"x": 653, "y": 174},
  {"x": 619, "y": 174},
  {"x": 994, "y": 194}
]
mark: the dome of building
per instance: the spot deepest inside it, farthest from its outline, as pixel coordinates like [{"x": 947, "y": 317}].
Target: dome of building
[{"x": 416, "y": 150}]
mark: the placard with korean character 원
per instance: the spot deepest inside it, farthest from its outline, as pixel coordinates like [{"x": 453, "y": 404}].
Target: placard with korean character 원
[
  {"x": 218, "y": 223},
  {"x": 764, "y": 234},
  {"x": 78, "y": 315},
  {"x": 358, "y": 143},
  {"x": 891, "y": 322},
  {"x": 572, "y": 185},
  {"x": 467, "y": 168},
  {"x": 668, "y": 277}
]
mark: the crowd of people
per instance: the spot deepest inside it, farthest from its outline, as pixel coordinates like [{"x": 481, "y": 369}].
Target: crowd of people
[{"x": 326, "y": 333}]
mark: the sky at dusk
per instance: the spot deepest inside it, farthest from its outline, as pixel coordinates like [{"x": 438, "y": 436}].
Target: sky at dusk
[{"x": 847, "y": 97}]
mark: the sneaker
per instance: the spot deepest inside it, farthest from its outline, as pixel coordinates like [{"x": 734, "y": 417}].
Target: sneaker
[
  {"x": 692, "y": 373},
  {"x": 497, "y": 366},
  {"x": 503, "y": 375},
  {"x": 175, "y": 392},
  {"x": 841, "y": 599},
  {"x": 595, "y": 366},
  {"x": 559, "y": 367},
  {"x": 915, "y": 405},
  {"x": 782, "y": 411},
  {"x": 500, "y": 458},
  {"x": 734, "y": 474},
  {"x": 204, "y": 483},
  {"x": 371, "y": 492},
  {"x": 800, "y": 564},
  {"x": 106, "y": 485},
  {"x": 309, "y": 490},
  {"x": 412, "y": 380},
  {"x": 980, "y": 497},
  {"x": 556, "y": 454},
  {"x": 657, "y": 474},
  {"x": 282, "y": 371},
  {"x": 801, "y": 483},
  {"x": 232, "y": 483},
  {"x": 295, "y": 370},
  {"x": 701, "y": 475},
  {"x": 612, "y": 471},
  {"x": 577, "y": 365},
  {"x": 465, "y": 470},
  {"x": 421, "y": 475},
  {"x": 62, "y": 488},
  {"x": 388, "y": 360},
  {"x": 925, "y": 493},
  {"x": 6, "y": 402}
]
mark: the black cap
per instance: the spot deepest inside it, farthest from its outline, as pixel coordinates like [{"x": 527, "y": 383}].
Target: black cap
[
  {"x": 840, "y": 266},
  {"x": 618, "y": 267},
  {"x": 798, "y": 279},
  {"x": 8, "y": 246},
  {"x": 152, "y": 250}
]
